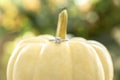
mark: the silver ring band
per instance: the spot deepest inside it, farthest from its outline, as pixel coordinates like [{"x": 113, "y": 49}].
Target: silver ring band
[{"x": 58, "y": 40}]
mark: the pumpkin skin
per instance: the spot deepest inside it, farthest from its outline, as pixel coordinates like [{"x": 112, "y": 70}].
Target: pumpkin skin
[{"x": 40, "y": 58}]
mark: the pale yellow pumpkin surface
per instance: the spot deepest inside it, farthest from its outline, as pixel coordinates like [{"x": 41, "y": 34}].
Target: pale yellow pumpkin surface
[{"x": 40, "y": 58}]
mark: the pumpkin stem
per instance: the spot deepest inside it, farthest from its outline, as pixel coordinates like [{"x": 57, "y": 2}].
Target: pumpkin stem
[{"x": 62, "y": 25}]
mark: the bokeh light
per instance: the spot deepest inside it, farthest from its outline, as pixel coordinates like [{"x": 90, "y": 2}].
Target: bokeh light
[{"x": 84, "y": 5}]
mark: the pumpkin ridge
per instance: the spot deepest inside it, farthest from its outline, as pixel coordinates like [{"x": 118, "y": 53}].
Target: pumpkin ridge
[
  {"x": 22, "y": 60},
  {"x": 12, "y": 60},
  {"x": 37, "y": 62},
  {"x": 17, "y": 60},
  {"x": 90, "y": 52},
  {"x": 105, "y": 59}
]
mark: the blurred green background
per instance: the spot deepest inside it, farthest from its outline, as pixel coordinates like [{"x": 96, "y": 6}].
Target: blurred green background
[{"x": 92, "y": 19}]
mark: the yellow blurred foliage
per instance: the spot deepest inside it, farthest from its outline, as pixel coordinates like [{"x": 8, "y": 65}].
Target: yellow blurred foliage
[
  {"x": 9, "y": 15},
  {"x": 32, "y": 5}
]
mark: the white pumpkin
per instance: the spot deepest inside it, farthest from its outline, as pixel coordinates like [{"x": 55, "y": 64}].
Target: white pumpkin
[{"x": 49, "y": 58}]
